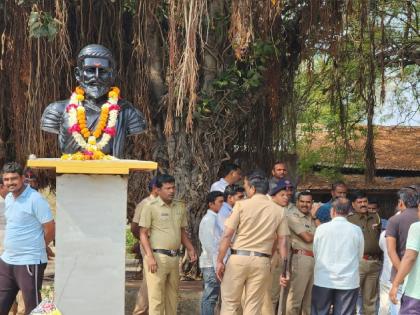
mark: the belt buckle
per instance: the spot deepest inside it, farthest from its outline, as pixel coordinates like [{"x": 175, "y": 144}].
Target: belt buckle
[
  {"x": 173, "y": 252},
  {"x": 252, "y": 254}
]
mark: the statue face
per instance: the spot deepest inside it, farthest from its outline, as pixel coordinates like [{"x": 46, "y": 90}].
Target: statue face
[{"x": 96, "y": 76}]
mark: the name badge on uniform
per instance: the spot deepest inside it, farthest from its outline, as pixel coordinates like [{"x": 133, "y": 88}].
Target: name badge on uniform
[{"x": 164, "y": 216}]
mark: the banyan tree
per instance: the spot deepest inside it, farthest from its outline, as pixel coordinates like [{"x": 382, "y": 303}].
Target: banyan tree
[{"x": 216, "y": 79}]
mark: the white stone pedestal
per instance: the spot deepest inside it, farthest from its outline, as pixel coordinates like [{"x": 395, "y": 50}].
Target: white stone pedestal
[
  {"x": 90, "y": 233},
  {"x": 90, "y": 244}
]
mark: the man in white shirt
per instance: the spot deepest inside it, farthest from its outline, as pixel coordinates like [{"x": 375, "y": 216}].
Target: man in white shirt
[
  {"x": 338, "y": 249},
  {"x": 206, "y": 235},
  {"x": 386, "y": 307},
  {"x": 231, "y": 174}
]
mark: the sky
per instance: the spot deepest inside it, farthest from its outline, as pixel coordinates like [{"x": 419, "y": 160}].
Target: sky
[
  {"x": 400, "y": 106},
  {"x": 389, "y": 115}
]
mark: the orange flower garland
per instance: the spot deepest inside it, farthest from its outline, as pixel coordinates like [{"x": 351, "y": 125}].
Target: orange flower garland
[
  {"x": 103, "y": 118},
  {"x": 105, "y": 127}
]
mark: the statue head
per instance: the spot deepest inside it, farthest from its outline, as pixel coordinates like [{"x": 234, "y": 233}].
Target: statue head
[{"x": 95, "y": 70}]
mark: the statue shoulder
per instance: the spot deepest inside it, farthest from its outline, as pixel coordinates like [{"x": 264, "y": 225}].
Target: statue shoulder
[
  {"x": 128, "y": 107},
  {"x": 125, "y": 104},
  {"x": 58, "y": 106},
  {"x": 52, "y": 116},
  {"x": 136, "y": 122}
]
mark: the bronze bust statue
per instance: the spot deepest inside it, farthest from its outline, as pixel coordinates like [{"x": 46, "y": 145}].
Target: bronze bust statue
[{"x": 95, "y": 73}]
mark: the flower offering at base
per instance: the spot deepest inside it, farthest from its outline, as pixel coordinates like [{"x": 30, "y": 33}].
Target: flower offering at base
[
  {"x": 46, "y": 307},
  {"x": 88, "y": 155}
]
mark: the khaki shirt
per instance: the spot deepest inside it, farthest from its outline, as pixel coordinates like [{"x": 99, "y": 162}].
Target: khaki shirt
[
  {"x": 371, "y": 229},
  {"x": 139, "y": 208},
  {"x": 164, "y": 223},
  {"x": 257, "y": 221},
  {"x": 291, "y": 207},
  {"x": 300, "y": 223}
]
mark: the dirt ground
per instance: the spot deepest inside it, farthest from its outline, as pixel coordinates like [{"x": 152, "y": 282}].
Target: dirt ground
[{"x": 189, "y": 292}]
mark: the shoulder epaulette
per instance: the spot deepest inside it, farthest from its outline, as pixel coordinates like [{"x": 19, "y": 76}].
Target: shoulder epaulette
[{"x": 180, "y": 201}]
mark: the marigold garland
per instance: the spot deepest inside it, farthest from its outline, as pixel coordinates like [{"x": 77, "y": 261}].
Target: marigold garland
[{"x": 86, "y": 139}]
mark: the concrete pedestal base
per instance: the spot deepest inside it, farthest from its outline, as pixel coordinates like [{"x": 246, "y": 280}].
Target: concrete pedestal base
[{"x": 90, "y": 244}]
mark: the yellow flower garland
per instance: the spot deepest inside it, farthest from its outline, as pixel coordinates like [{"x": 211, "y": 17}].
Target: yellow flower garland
[{"x": 105, "y": 127}]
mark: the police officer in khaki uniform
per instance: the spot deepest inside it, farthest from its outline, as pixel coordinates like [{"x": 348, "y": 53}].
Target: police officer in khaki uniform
[
  {"x": 302, "y": 229},
  {"x": 142, "y": 301},
  {"x": 162, "y": 230},
  {"x": 256, "y": 222},
  {"x": 279, "y": 195},
  {"x": 371, "y": 264}
]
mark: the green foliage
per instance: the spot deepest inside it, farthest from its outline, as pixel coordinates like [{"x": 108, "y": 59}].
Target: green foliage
[
  {"x": 330, "y": 113},
  {"x": 333, "y": 86},
  {"x": 331, "y": 174},
  {"x": 130, "y": 240},
  {"x": 42, "y": 24},
  {"x": 130, "y": 6},
  {"x": 239, "y": 79},
  {"x": 308, "y": 161},
  {"x": 47, "y": 292}
]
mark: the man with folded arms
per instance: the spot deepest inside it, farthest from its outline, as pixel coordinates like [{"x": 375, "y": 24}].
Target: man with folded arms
[
  {"x": 257, "y": 223},
  {"x": 162, "y": 230},
  {"x": 302, "y": 229},
  {"x": 338, "y": 249}
]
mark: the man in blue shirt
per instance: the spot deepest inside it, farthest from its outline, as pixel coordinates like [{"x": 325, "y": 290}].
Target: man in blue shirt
[
  {"x": 338, "y": 189},
  {"x": 30, "y": 228},
  {"x": 231, "y": 174},
  {"x": 231, "y": 194}
]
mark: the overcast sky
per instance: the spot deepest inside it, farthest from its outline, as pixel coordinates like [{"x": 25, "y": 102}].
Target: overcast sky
[{"x": 389, "y": 115}]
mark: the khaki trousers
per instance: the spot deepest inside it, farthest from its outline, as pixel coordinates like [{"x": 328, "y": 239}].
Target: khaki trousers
[
  {"x": 163, "y": 285},
  {"x": 300, "y": 289},
  {"x": 271, "y": 297},
  {"x": 249, "y": 273},
  {"x": 369, "y": 274},
  {"x": 142, "y": 303}
]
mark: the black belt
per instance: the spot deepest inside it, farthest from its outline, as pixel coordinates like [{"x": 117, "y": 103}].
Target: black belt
[
  {"x": 372, "y": 257},
  {"x": 249, "y": 253},
  {"x": 167, "y": 252}
]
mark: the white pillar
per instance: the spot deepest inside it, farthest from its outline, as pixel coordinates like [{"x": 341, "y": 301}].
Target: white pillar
[{"x": 90, "y": 244}]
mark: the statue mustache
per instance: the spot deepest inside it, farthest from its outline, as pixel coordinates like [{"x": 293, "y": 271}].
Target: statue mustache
[{"x": 95, "y": 80}]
